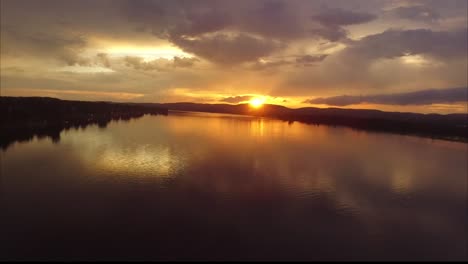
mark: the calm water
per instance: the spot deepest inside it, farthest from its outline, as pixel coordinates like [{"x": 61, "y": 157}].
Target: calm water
[{"x": 211, "y": 186}]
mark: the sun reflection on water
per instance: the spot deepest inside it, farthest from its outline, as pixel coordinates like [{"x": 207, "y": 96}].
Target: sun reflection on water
[
  {"x": 108, "y": 155},
  {"x": 142, "y": 161},
  {"x": 401, "y": 181}
]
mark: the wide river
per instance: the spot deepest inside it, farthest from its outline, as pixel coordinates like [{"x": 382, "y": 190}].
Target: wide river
[{"x": 197, "y": 186}]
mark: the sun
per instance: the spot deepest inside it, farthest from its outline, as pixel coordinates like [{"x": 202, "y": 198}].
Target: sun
[{"x": 256, "y": 102}]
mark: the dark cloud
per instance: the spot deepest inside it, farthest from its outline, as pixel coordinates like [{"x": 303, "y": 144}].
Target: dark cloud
[
  {"x": 299, "y": 60},
  {"x": 332, "y": 21},
  {"x": 103, "y": 59},
  {"x": 416, "y": 12},
  {"x": 83, "y": 18},
  {"x": 184, "y": 62},
  {"x": 295, "y": 23},
  {"x": 139, "y": 64},
  {"x": 195, "y": 22},
  {"x": 308, "y": 60},
  {"x": 63, "y": 47},
  {"x": 228, "y": 49},
  {"x": 175, "y": 19},
  {"x": 396, "y": 43},
  {"x": 424, "y": 97},
  {"x": 236, "y": 99},
  {"x": 143, "y": 10},
  {"x": 273, "y": 19},
  {"x": 195, "y": 26},
  {"x": 339, "y": 17},
  {"x": 331, "y": 33},
  {"x": 381, "y": 61}
]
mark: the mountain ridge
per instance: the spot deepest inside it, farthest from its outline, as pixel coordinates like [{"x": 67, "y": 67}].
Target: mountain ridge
[{"x": 445, "y": 126}]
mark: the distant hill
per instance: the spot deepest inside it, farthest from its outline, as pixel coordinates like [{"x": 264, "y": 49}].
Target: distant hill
[
  {"x": 269, "y": 110},
  {"x": 30, "y": 112},
  {"x": 449, "y": 126}
]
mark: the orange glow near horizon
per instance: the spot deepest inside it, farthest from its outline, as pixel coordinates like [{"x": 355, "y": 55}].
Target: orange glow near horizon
[{"x": 257, "y": 102}]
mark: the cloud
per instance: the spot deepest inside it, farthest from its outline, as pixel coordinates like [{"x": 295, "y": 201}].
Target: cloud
[
  {"x": 196, "y": 22},
  {"x": 252, "y": 47},
  {"x": 415, "y": 12},
  {"x": 382, "y": 61},
  {"x": 183, "y": 21},
  {"x": 236, "y": 99},
  {"x": 228, "y": 49},
  {"x": 263, "y": 19},
  {"x": 261, "y": 65},
  {"x": 339, "y": 17},
  {"x": 138, "y": 63},
  {"x": 103, "y": 58},
  {"x": 332, "y": 21},
  {"x": 281, "y": 62},
  {"x": 142, "y": 11},
  {"x": 65, "y": 48},
  {"x": 423, "y": 97},
  {"x": 296, "y": 22},
  {"x": 331, "y": 33},
  {"x": 396, "y": 43},
  {"x": 184, "y": 62},
  {"x": 307, "y": 60}
]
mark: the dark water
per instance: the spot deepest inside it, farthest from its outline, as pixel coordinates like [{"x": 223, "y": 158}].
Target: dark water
[{"x": 194, "y": 186}]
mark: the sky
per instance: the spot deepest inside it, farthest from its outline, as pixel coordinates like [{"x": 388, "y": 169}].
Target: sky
[{"x": 392, "y": 55}]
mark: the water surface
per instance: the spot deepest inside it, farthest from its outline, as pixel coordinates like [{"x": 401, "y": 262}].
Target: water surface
[{"x": 195, "y": 186}]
